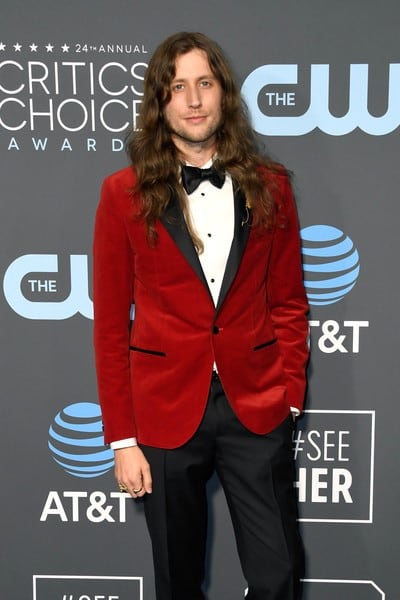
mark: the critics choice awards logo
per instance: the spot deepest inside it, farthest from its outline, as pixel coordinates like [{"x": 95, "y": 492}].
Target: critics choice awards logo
[{"x": 67, "y": 96}]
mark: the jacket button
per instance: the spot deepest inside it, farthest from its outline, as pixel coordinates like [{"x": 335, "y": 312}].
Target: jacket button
[{"x": 215, "y": 329}]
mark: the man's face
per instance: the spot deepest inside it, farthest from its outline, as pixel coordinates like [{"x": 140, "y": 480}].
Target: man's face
[{"x": 194, "y": 111}]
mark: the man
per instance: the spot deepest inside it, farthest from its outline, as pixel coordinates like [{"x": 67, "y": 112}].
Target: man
[{"x": 211, "y": 370}]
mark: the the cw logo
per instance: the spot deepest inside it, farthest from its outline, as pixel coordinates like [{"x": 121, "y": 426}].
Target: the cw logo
[
  {"x": 78, "y": 300},
  {"x": 318, "y": 114}
]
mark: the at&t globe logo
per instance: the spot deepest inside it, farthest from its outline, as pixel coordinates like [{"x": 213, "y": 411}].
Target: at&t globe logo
[
  {"x": 76, "y": 441},
  {"x": 330, "y": 264}
]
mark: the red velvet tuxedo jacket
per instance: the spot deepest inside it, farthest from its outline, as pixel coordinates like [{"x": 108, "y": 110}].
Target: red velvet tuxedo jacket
[{"x": 154, "y": 373}]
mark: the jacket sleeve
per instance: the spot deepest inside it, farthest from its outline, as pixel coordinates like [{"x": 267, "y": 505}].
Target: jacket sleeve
[
  {"x": 113, "y": 296},
  {"x": 287, "y": 298}
]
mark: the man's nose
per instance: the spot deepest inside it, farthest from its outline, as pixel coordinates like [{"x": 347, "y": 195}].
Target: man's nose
[{"x": 194, "y": 97}]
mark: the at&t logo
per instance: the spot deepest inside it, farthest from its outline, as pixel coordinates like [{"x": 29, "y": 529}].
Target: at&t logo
[
  {"x": 76, "y": 444},
  {"x": 17, "y": 287},
  {"x": 74, "y": 506},
  {"x": 76, "y": 441},
  {"x": 318, "y": 114},
  {"x": 331, "y": 266}
]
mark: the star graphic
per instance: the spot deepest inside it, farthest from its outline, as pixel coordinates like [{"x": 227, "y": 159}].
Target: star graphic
[
  {"x": 65, "y": 48},
  {"x": 2, "y": 46},
  {"x": 33, "y": 47},
  {"x": 17, "y": 47},
  {"x": 49, "y": 48}
]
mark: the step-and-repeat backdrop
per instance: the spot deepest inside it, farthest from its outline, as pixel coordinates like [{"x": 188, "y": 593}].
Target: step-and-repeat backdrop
[{"x": 322, "y": 82}]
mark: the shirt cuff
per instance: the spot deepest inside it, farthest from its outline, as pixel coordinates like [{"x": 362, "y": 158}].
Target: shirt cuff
[{"x": 126, "y": 443}]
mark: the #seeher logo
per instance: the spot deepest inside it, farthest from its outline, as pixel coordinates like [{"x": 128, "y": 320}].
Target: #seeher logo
[
  {"x": 330, "y": 264},
  {"x": 76, "y": 441}
]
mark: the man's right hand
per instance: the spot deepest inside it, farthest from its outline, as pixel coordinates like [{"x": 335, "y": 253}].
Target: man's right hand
[{"x": 133, "y": 471}]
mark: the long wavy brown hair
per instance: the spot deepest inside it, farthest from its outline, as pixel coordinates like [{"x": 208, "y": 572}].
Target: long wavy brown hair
[{"x": 157, "y": 160}]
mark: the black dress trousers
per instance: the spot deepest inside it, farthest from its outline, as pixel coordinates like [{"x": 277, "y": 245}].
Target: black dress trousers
[{"x": 257, "y": 475}]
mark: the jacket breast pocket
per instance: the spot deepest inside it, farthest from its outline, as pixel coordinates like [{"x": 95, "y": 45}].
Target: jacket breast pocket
[
  {"x": 265, "y": 344},
  {"x": 147, "y": 351}
]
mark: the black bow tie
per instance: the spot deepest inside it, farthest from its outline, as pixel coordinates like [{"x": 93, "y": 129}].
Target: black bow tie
[{"x": 193, "y": 176}]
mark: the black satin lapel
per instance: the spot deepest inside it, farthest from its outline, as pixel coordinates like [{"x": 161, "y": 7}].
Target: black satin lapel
[
  {"x": 175, "y": 224},
  {"x": 240, "y": 237}
]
